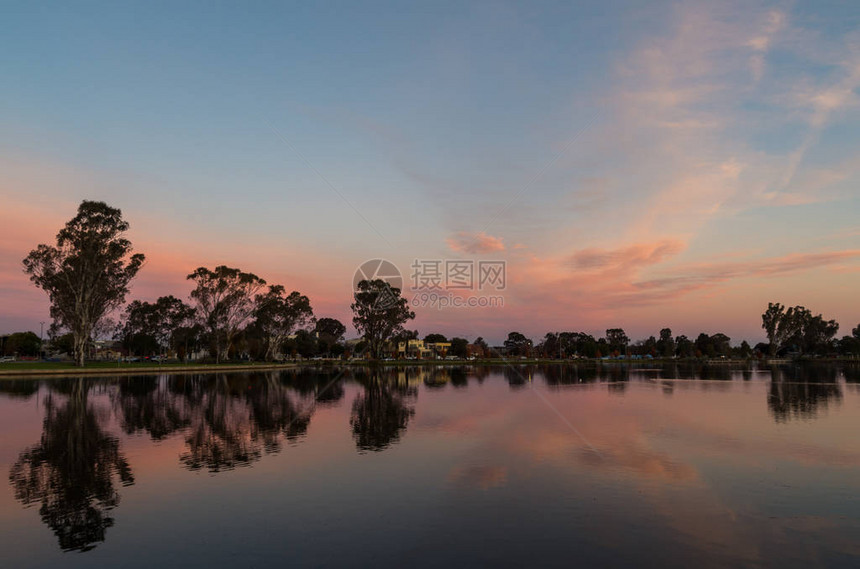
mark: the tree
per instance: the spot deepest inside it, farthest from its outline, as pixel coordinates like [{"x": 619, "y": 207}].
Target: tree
[
  {"x": 704, "y": 346},
  {"x": 797, "y": 327},
  {"x": 187, "y": 339},
  {"x": 649, "y": 346},
  {"x": 87, "y": 274},
  {"x": 483, "y": 349},
  {"x": 779, "y": 324},
  {"x": 849, "y": 346},
  {"x": 684, "y": 347},
  {"x": 224, "y": 300},
  {"x": 617, "y": 340},
  {"x": 551, "y": 346},
  {"x": 21, "y": 344},
  {"x": 159, "y": 320},
  {"x": 459, "y": 347},
  {"x": 666, "y": 345},
  {"x": 722, "y": 344},
  {"x": 434, "y": 338},
  {"x": 517, "y": 344},
  {"x": 379, "y": 313},
  {"x": 277, "y": 316},
  {"x": 302, "y": 344},
  {"x": 329, "y": 331},
  {"x": 814, "y": 334}
]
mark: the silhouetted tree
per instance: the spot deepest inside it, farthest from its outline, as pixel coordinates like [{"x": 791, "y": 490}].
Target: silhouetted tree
[
  {"x": 278, "y": 315},
  {"x": 330, "y": 332},
  {"x": 517, "y": 344},
  {"x": 617, "y": 340},
  {"x": 21, "y": 344},
  {"x": 459, "y": 347},
  {"x": 379, "y": 313},
  {"x": 550, "y": 347},
  {"x": 224, "y": 299},
  {"x": 151, "y": 326},
  {"x": 87, "y": 273},
  {"x": 780, "y": 325},
  {"x": 666, "y": 345},
  {"x": 684, "y": 347}
]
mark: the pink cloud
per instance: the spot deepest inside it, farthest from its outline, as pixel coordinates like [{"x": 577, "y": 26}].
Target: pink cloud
[
  {"x": 466, "y": 242},
  {"x": 640, "y": 254}
]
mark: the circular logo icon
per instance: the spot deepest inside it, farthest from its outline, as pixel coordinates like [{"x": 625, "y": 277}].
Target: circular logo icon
[{"x": 378, "y": 269}]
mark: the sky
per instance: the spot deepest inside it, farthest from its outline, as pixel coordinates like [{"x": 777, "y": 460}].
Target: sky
[{"x": 636, "y": 165}]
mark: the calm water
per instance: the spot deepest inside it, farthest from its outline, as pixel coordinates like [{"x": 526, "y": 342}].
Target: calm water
[{"x": 537, "y": 465}]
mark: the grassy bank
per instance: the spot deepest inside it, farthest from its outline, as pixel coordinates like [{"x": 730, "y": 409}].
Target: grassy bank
[{"x": 41, "y": 369}]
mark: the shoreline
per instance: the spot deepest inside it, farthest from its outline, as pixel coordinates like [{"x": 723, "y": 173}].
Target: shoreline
[{"x": 63, "y": 369}]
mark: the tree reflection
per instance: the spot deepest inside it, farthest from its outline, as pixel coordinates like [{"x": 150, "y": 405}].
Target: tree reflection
[
  {"x": 459, "y": 377},
  {"x": 19, "y": 388},
  {"x": 144, "y": 406},
  {"x": 795, "y": 394},
  {"x": 274, "y": 413},
  {"x": 518, "y": 377},
  {"x": 234, "y": 419},
  {"x": 71, "y": 472},
  {"x": 380, "y": 414}
]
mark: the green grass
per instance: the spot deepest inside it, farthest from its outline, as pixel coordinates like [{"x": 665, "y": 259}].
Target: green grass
[{"x": 14, "y": 367}]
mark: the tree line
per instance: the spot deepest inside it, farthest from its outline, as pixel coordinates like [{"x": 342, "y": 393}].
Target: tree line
[
  {"x": 231, "y": 313},
  {"x": 87, "y": 275}
]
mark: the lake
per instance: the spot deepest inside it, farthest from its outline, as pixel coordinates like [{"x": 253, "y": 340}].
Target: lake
[{"x": 555, "y": 465}]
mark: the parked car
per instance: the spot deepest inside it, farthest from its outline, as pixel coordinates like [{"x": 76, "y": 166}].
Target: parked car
[{"x": 5, "y": 359}]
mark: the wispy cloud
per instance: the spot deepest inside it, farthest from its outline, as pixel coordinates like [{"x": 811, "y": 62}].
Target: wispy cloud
[
  {"x": 633, "y": 256},
  {"x": 465, "y": 242},
  {"x": 761, "y": 43}
]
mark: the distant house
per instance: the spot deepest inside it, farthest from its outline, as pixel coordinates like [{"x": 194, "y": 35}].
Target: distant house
[
  {"x": 420, "y": 350},
  {"x": 108, "y": 350},
  {"x": 476, "y": 351}
]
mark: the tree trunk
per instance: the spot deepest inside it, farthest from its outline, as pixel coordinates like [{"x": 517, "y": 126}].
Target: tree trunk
[{"x": 80, "y": 349}]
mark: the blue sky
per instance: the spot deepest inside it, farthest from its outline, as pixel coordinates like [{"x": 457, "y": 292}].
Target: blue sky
[{"x": 297, "y": 140}]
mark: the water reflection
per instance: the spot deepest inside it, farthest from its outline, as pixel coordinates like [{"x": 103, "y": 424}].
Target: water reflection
[
  {"x": 382, "y": 411},
  {"x": 19, "y": 389},
  {"x": 143, "y": 407},
  {"x": 226, "y": 421},
  {"x": 72, "y": 472},
  {"x": 234, "y": 419},
  {"x": 794, "y": 395}
]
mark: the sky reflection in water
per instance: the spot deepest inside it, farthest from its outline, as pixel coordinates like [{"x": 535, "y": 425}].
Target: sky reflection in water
[{"x": 429, "y": 466}]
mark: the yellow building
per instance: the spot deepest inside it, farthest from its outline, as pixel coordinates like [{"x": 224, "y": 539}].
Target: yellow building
[{"x": 418, "y": 349}]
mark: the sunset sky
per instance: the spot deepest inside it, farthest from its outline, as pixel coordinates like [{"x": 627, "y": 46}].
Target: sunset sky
[{"x": 637, "y": 165}]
